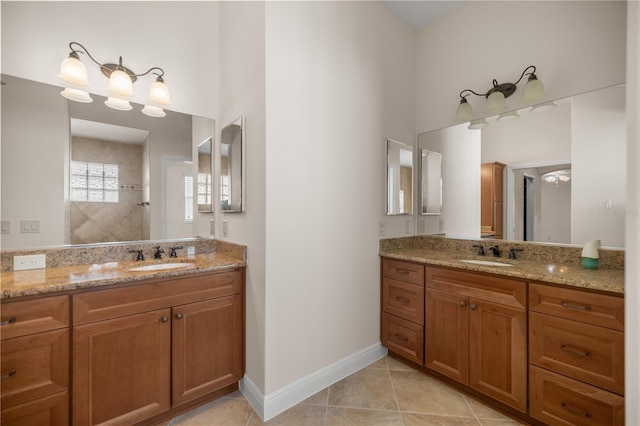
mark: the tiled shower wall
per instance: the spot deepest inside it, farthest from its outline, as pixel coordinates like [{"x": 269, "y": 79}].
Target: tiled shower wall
[{"x": 109, "y": 222}]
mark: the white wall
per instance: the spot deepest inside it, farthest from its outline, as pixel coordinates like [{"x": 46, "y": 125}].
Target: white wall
[
  {"x": 598, "y": 156},
  {"x": 555, "y": 217},
  {"x": 632, "y": 268},
  {"x": 339, "y": 82},
  {"x": 577, "y": 46},
  {"x": 179, "y": 37},
  {"x": 34, "y": 196},
  {"x": 242, "y": 93}
]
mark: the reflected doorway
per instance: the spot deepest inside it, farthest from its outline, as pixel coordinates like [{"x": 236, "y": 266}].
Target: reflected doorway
[{"x": 528, "y": 207}]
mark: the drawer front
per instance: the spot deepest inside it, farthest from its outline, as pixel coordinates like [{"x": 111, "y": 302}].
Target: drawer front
[
  {"x": 34, "y": 316},
  {"x": 403, "y": 300},
  {"x": 583, "y": 351},
  {"x": 50, "y": 410},
  {"x": 592, "y": 308},
  {"x": 403, "y": 337},
  {"x": 399, "y": 270},
  {"x": 479, "y": 286},
  {"x": 105, "y": 304},
  {"x": 34, "y": 366},
  {"x": 559, "y": 400}
]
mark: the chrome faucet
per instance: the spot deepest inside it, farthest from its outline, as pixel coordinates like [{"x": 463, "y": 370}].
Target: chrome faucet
[{"x": 495, "y": 250}]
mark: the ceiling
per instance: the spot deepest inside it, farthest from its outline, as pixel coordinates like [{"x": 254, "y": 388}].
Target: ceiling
[{"x": 420, "y": 13}]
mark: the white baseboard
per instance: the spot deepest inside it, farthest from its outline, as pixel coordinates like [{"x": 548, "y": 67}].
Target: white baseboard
[{"x": 269, "y": 406}]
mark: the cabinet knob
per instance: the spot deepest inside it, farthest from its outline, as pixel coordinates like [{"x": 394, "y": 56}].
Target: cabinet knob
[
  {"x": 164, "y": 319},
  {"x": 473, "y": 306},
  {"x": 463, "y": 304},
  {"x": 179, "y": 316}
]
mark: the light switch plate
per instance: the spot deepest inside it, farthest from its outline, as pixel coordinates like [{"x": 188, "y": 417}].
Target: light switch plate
[
  {"x": 225, "y": 228},
  {"x": 34, "y": 261},
  {"x": 6, "y": 227},
  {"x": 30, "y": 226}
]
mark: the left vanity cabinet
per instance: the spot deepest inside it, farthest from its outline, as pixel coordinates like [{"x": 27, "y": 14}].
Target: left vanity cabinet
[
  {"x": 145, "y": 349},
  {"x": 35, "y": 361}
]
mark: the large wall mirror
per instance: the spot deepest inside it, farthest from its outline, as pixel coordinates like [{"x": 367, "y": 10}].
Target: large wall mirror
[
  {"x": 564, "y": 172},
  {"x": 399, "y": 178},
  {"x": 430, "y": 182},
  {"x": 205, "y": 175},
  {"x": 89, "y": 174},
  {"x": 232, "y": 167}
]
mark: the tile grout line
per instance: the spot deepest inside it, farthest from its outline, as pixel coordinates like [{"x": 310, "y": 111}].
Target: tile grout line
[
  {"x": 393, "y": 388},
  {"x": 466, "y": 401}
]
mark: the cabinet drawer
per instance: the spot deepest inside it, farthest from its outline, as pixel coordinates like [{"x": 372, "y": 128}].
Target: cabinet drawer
[
  {"x": 34, "y": 366},
  {"x": 598, "y": 309},
  {"x": 403, "y": 271},
  {"x": 34, "y": 316},
  {"x": 485, "y": 287},
  {"x": 50, "y": 410},
  {"x": 403, "y": 337},
  {"x": 559, "y": 400},
  {"x": 403, "y": 300},
  {"x": 105, "y": 304},
  {"x": 583, "y": 351}
]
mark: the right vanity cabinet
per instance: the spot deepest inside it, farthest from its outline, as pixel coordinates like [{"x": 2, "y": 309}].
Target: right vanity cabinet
[
  {"x": 475, "y": 332},
  {"x": 576, "y": 356}
]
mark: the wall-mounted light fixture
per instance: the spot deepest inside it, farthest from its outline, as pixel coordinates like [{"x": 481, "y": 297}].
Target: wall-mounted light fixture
[
  {"x": 496, "y": 99},
  {"x": 121, "y": 79}
]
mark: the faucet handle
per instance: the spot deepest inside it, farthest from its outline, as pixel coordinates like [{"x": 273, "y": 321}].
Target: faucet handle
[
  {"x": 480, "y": 249},
  {"x": 173, "y": 251},
  {"x": 140, "y": 254},
  {"x": 158, "y": 253},
  {"x": 495, "y": 250},
  {"x": 512, "y": 252}
]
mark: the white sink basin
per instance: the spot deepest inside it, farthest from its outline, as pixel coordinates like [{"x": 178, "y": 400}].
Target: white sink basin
[
  {"x": 161, "y": 267},
  {"x": 485, "y": 262}
]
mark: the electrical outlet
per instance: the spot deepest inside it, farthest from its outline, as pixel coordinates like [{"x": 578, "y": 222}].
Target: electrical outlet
[
  {"x": 34, "y": 261},
  {"x": 407, "y": 227},
  {"x": 29, "y": 226},
  {"x": 381, "y": 228},
  {"x": 440, "y": 225},
  {"x": 225, "y": 228},
  {"x": 212, "y": 227},
  {"x": 6, "y": 227}
]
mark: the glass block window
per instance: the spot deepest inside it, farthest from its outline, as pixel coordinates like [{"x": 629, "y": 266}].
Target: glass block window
[
  {"x": 94, "y": 182},
  {"x": 204, "y": 188},
  {"x": 188, "y": 199}
]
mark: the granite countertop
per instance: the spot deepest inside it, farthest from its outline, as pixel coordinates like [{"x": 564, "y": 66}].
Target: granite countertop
[
  {"x": 63, "y": 278},
  {"x": 568, "y": 274}
]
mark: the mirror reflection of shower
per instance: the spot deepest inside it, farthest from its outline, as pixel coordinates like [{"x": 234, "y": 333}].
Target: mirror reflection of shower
[{"x": 108, "y": 183}]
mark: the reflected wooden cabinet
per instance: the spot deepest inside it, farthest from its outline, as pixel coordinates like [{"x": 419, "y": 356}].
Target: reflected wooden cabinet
[{"x": 492, "y": 200}]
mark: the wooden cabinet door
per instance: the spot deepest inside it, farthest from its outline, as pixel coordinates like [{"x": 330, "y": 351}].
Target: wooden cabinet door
[
  {"x": 122, "y": 369},
  {"x": 498, "y": 352},
  {"x": 447, "y": 334},
  {"x": 51, "y": 410},
  {"x": 208, "y": 345}
]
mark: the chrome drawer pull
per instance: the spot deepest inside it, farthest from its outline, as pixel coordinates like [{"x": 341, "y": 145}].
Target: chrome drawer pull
[
  {"x": 401, "y": 337},
  {"x": 6, "y": 376},
  {"x": 9, "y": 321},
  {"x": 578, "y": 307},
  {"x": 577, "y": 411},
  {"x": 402, "y": 300},
  {"x": 402, "y": 271},
  {"x": 575, "y": 350}
]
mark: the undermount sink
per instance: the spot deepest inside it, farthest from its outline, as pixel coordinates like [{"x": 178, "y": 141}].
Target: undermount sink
[
  {"x": 485, "y": 262},
  {"x": 161, "y": 266}
]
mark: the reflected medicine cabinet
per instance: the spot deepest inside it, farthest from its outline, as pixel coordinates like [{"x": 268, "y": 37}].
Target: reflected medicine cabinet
[
  {"x": 431, "y": 182},
  {"x": 232, "y": 167},
  {"x": 205, "y": 175},
  {"x": 399, "y": 178}
]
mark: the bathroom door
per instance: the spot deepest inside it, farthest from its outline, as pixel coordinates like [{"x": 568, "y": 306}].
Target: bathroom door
[{"x": 529, "y": 207}]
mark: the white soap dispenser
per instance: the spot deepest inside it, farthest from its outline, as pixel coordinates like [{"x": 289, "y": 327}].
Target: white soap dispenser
[{"x": 590, "y": 255}]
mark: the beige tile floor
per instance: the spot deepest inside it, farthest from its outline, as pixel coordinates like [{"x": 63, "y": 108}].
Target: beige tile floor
[{"x": 385, "y": 393}]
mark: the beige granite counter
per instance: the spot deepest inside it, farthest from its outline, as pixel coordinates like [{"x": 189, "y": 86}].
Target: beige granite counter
[
  {"x": 88, "y": 275},
  {"x": 562, "y": 269}
]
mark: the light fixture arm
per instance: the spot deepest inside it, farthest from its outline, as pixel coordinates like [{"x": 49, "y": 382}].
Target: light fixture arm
[
  {"x": 107, "y": 68},
  {"x": 507, "y": 89}
]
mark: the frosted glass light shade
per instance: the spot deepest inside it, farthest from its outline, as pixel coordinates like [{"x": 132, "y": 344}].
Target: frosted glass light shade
[
  {"x": 496, "y": 102},
  {"x": 464, "y": 112},
  {"x": 478, "y": 124},
  {"x": 508, "y": 116},
  {"x": 120, "y": 84},
  {"x": 533, "y": 91},
  {"x": 118, "y": 104},
  {"x": 73, "y": 71},
  {"x": 153, "y": 111},
  {"x": 159, "y": 93},
  {"x": 76, "y": 95}
]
